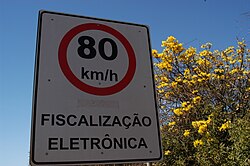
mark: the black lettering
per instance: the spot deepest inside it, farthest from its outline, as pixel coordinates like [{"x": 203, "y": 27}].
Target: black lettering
[
  {"x": 142, "y": 143},
  {"x": 60, "y": 120},
  {"x": 100, "y": 120},
  {"x": 111, "y": 74},
  {"x": 125, "y": 143},
  {"x": 95, "y": 75},
  {"x": 87, "y": 50},
  {"x": 86, "y": 43},
  {"x": 53, "y": 144},
  {"x": 43, "y": 119},
  {"x": 84, "y": 140},
  {"x": 91, "y": 121},
  {"x": 62, "y": 147},
  {"x": 107, "y": 75},
  {"x": 69, "y": 122},
  {"x": 74, "y": 143},
  {"x": 106, "y": 143},
  {"x": 146, "y": 121},
  {"x": 102, "y": 50},
  {"x": 83, "y": 120},
  {"x": 52, "y": 120},
  {"x": 136, "y": 121},
  {"x": 118, "y": 143},
  {"x": 125, "y": 123},
  {"x": 85, "y": 73},
  {"x": 130, "y": 140},
  {"x": 116, "y": 121},
  {"x": 96, "y": 142},
  {"x": 107, "y": 118}
]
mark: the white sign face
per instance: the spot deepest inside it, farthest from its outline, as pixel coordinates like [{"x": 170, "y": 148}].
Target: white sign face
[{"x": 94, "y": 96}]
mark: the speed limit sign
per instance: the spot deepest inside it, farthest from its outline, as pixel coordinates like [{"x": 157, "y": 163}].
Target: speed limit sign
[
  {"x": 86, "y": 50},
  {"x": 94, "y": 95}
]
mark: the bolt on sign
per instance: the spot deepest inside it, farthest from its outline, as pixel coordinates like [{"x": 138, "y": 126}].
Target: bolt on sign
[{"x": 94, "y": 97}]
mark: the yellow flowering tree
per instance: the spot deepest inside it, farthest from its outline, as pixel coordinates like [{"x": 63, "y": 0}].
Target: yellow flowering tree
[{"x": 203, "y": 95}]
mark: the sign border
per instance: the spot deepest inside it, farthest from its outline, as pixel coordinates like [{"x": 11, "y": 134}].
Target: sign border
[{"x": 35, "y": 90}]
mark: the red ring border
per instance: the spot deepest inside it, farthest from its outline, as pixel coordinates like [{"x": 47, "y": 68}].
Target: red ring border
[{"x": 63, "y": 62}]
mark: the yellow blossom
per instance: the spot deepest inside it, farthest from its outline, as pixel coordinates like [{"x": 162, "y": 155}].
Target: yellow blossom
[
  {"x": 165, "y": 79},
  {"x": 180, "y": 47},
  {"x": 198, "y": 143},
  {"x": 186, "y": 133},
  {"x": 203, "y": 62},
  {"x": 186, "y": 72},
  {"x": 229, "y": 50},
  {"x": 172, "y": 44},
  {"x": 174, "y": 84},
  {"x": 162, "y": 84},
  {"x": 221, "y": 77},
  {"x": 167, "y": 152},
  {"x": 160, "y": 55},
  {"x": 190, "y": 52},
  {"x": 202, "y": 125},
  {"x": 178, "y": 79},
  {"x": 239, "y": 51},
  {"x": 224, "y": 126},
  {"x": 202, "y": 129},
  {"x": 171, "y": 39},
  {"x": 167, "y": 95},
  {"x": 240, "y": 42},
  {"x": 165, "y": 65},
  {"x": 188, "y": 108},
  {"x": 156, "y": 54},
  {"x": 194, "y": 76},
  {"x": 163, "y": 43},
  {"x": 205, "y": 53},
  {"x": 184, "y": 104},
  {"x": 178, "y": 111},
  {"x": 232, "y": 61},
  {"x": 203, "y": 74},
  {"x": 185, "y": 81},
  {"x": 154, "y": 51},
  {"x": 195, "y": 91},
  {"x": 218, "y": 70},
  {"x": 209, "y": 118},
  {"x": 160, "y": 91},
  {"x": 172, "y": 123},
  {"x": 200, "y": 61},
  {"x": 196, "y": 99},
  {"x": 234, "y": 71},
  {"x": 192, "y": 81},
  {"x": 200, "y": 79},
  {"x": 246, "y": 72},
  {"x": 183, "y": 57}
]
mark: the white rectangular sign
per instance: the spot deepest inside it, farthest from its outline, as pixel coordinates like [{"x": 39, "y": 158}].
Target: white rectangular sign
[{"x": 94, "y": 96}]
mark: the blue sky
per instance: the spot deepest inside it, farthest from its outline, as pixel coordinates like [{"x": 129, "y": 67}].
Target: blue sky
[{"x": 193, "y": 22}]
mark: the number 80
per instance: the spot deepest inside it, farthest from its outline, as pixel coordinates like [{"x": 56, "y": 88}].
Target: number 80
[{"x": 92, "y": 51}]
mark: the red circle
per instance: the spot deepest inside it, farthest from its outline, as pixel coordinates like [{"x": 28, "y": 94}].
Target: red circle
[{"x": 63, "y": 62}]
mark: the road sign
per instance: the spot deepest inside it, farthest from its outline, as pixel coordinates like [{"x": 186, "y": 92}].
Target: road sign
[{"x": 94, "y": 96}]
